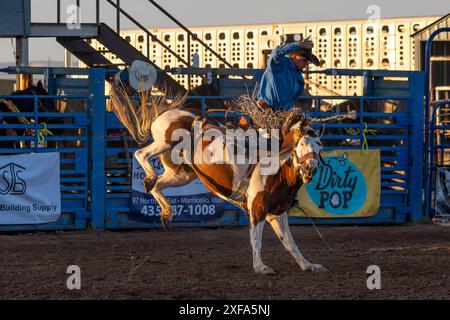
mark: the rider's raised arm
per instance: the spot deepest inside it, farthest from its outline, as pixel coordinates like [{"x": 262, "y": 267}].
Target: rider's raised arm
[{"x": 279, "y": 57}]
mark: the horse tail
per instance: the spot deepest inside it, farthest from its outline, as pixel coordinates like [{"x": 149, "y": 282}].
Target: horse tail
[{"x": 136, "y": 116}]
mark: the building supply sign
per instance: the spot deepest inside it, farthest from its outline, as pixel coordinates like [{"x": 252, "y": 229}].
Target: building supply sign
[
  {"x": 346, "y": 185},
  {"x": 192, "y": 202},
  {"x": 30, "y": 190}
]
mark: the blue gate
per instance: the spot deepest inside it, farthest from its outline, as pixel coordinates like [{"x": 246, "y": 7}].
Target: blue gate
[
  {"x": 96, "y": 168},
  {"x": 74, "y": 155},
  {"x": 396, "y": 116},
  {"x": 437, "y": 143}
]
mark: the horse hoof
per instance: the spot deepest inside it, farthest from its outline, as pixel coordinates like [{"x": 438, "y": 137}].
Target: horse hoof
[
  {"x": 267, "y": 271},
  {"x": 166, "y": 222},
  {"x": 318, "y": 268},
  {"x": 149, "y": 183}
]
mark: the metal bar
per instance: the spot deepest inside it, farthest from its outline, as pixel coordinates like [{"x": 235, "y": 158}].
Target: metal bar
[
  {"x": 36, "y": 123},
  {"x": 78, "y": 12},
  {"x": 98, "y": 146},
  {"x": 118, "y": 16},
  {"x": 415, "y": 146},
  {"x": 427, "y": 118},
  {"x": 361, "y": 121},
  {"x": 433, "y": 147},
  {"x": 148, "y": 46},
  {"x": 218, "y": 56},
  {"x": 203, "y": 100},
  {"x": 97, "y": 12},
  {"x": 58, "y": 11},
  {"x": 22, "y": 51},
  {"x": 440, "y": 58},
  {"x": 189, "y": 58}
]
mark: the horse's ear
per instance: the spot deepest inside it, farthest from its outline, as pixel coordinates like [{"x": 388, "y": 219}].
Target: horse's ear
[
  {"x": 297, "y": 134},
  {"x": 298, "y": 130},
  {"x": 39, "y": 85}
]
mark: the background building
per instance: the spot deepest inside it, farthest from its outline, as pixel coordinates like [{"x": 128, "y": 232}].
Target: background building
[{"x": 353, "y": 44}]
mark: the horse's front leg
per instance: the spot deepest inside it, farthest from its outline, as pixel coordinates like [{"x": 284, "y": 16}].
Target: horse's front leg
[
  {"x": 280, "y": 226},
  {"x": 256, "y": 232}
]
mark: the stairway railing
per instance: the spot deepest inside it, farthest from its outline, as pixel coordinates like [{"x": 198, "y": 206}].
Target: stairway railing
[
  {"x": 148, "y": 33},
  {"x": 120, "y": 11},
  {"x": 190, "y": 35}
]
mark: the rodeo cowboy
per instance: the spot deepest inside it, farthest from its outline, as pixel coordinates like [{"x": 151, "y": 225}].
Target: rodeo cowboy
[{"x": 282, "y": 82}]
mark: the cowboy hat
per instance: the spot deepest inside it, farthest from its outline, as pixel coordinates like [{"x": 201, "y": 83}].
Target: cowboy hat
[
  {"x": 308, "y": 55},
  {"x": 141, "y": 75}
]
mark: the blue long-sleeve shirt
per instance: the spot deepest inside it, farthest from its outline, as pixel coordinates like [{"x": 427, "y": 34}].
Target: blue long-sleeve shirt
[{"x": 282, "y": 83}]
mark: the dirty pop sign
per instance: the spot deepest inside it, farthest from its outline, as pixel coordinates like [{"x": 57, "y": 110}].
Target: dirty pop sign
[
  {"x": 339, "y": 186},
  {"x": 347, "y": 184}
]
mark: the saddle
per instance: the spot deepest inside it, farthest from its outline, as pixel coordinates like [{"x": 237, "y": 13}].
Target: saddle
[{"x": 243, "y": 172}]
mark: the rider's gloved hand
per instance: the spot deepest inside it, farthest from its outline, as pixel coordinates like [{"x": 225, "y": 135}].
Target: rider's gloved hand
[{"x": 307, "y": 44}]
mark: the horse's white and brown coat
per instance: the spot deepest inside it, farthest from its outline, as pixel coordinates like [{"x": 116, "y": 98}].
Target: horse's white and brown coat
[{"x": 267, "y": 198}]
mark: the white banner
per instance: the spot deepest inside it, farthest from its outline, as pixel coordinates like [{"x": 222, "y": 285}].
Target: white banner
[{"x": 30, "y": 190}]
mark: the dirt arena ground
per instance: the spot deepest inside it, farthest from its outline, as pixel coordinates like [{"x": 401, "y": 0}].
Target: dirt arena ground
[{"x": 216, "y": 264}]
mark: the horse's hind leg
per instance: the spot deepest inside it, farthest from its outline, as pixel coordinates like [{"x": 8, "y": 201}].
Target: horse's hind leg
[
  {"x": 170, "y": 178},
  {"x": 143, "y": 156}
]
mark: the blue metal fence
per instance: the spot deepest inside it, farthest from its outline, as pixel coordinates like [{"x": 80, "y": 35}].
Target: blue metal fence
[
  {"x": 96, "y": 173},
  {"x": 431, "y": 128},
  {"x": 398, "y": 137},
  {"x": 439, "y": 151},
  {"x": 73, "y": 149}
]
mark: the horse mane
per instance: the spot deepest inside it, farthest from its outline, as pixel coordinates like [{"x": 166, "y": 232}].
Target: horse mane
[
  {"x": 283, "y": 120},
  {"x": 267, "y": 118}
]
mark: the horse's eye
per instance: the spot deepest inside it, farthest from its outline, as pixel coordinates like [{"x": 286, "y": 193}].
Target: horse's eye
[{"x": 319, "y": 143}]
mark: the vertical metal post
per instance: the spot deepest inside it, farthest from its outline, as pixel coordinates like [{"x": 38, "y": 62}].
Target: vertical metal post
[
  {"x": 22, "y": 58},
  {"x": 189, "y": 58},
  {"x": 67, "y": 59},
  {"x": 78, "y": 12},
  {"x": 58, "y": 11},
  {"x": 427, "y": 118},
  {"x": 50, "y": 80},
  {"x": 118, "y": 16},
  {"x": 361, "y": 121},
  {"x": 97, "y": 12},
  {"x": 148, "y": 46},
  {"x": 203, "y": 100},
  {"x": 415, "y": 148},
  {"x": 97, "y": 147},
  {"x": 36, "y": 123}
]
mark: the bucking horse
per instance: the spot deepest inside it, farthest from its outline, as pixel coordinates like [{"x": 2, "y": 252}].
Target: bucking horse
[{"x": 263, "y": 191}]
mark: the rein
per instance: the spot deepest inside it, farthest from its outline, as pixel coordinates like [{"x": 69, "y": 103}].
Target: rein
[
  {"x": 325, "y": 241},
  {"x": 317, "y": 229},
  {"x": 308, "y": 156}
]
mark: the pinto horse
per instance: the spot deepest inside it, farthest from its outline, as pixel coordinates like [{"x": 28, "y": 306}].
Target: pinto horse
[
  {"x": 266, "y": 198},
  {"x": 26, "y": 105}
]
